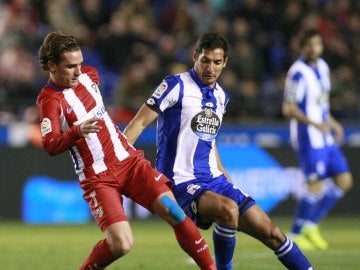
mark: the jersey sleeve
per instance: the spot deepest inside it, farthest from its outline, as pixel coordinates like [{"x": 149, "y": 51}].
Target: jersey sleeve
[
  {"x": 92, "y": 72},
  {"x": 54, "y": 140},
  {"x": 165, "y": 95},
  {"x": 293, "y": 87}
]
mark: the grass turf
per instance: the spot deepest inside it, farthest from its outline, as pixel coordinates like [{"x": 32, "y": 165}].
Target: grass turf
[{"x": 43, "y": 247}]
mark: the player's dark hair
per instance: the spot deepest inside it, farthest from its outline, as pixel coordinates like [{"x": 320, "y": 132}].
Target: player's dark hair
[
  {"x": 307, "y": 35},
  {"x": 211, "y": 41},
  {"x": 54, "y": 45}
]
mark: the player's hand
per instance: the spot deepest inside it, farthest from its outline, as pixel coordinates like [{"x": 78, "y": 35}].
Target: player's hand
[
  {"x": 323, "y": 127},
  {"x": 90, "y": 126},
  {"x": 338, "y": 132}
]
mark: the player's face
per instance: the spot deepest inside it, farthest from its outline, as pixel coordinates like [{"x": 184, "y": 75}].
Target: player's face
[
  {"x": 209, "y": 64},
  {"x": 314, "y": 48},
  {"x": 67, "y": 72}
]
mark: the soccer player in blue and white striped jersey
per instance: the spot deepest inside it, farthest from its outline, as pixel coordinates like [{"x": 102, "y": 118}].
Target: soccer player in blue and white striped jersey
[
  {"x": 189, "y": 109},
  {"x": 314, "y": 135}
]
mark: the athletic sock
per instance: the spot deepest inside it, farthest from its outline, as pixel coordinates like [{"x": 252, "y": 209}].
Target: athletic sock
[
  {"x": 224, "y": 245},
  {"x": 332, "y": 195},
  {"x": 100, "y": 257},
  {"x": 192, "y": 242},
  {"x": 304, "y": 211},
  {"x": 291, "y": 256}
]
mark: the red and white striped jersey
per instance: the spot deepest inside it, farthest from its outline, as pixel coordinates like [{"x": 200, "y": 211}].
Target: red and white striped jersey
[{"x": 62, "y": 110}]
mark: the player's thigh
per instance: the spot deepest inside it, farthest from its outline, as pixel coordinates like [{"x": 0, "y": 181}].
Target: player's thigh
[
  {"x": 104, "y": 200},
  {"x": 146, "y": 184},
  {"x": 215, "y": 207}
]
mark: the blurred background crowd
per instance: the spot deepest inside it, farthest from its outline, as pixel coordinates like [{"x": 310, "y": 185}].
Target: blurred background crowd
[{"x": 135, "y": 43}]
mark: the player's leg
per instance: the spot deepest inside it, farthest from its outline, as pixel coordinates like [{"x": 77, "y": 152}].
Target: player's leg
[
  {"x": 155, "y": 195},
  {"x": 338, "y": 168},
  {"x": 257, "y": 223},
  {"x": 336, "y": 164},
  {"x": 224, "y": 246},
  {"x": 213, "y": 207},
  {"x": 331, "y": 194},
  {"x": 118, "y": 242},
  {"x": 310, "y": 162},
  {"x": 186, "y": 232},
  {"x": 305, "y": 209},
  {"x": 106, "y": 206}
]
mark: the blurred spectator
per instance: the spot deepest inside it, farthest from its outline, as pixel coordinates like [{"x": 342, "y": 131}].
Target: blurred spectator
[
  {"x": 202, "y": 15},
  {"x": 19, "y": 24},
  {"x": 221, "y": 24},
  {"x": 131, "y": 27},
  {"x": 133, "y": 42},
  {"x": 246, "y": 60},
  {"x": 271, "y": 97},
  {"x": 244, "y": 103},
  {"x": 17, "y": 88},
  {"x": 33, "y": 133},
  {"x": 91, "y": 15},
  {"x": 135, "y": 84},
  {"x": 176, "y": 18},
  {"x": 345, "y": 99},
  {"x": 64, "y": 15}
]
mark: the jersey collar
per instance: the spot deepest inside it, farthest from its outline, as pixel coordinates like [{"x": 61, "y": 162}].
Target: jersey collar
[
  {"x": 205, "y": 89},
  {"x": 52, "y": 85}
]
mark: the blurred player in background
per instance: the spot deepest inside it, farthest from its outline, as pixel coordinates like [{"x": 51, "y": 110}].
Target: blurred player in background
[
  {"x": 314, "y": 134},
  {"x": 189, "y": 108},
  {"x": 73, "y": 117}
]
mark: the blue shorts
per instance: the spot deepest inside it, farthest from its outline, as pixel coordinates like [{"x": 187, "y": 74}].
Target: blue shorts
[
  {"x": 323, "y": 163},
  {"x": 188, "y": 193}
]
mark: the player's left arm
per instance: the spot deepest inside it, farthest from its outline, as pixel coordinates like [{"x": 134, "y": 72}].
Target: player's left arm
[{"x": 221, "y": 166}]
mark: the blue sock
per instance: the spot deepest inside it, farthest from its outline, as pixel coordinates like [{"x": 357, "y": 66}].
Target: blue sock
[
  {"x": 291, "y": 256},
  {"x": 224, "y": 245},
  {"x": 327, "y": 202},
  {"x": 304, "y": 211}
]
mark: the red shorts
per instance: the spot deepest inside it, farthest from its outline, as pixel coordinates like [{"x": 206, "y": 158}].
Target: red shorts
[{"x": 134, "y": 177}]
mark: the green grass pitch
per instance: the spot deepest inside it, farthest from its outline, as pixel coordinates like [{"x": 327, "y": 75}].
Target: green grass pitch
[{"x": 55, "y": 247}]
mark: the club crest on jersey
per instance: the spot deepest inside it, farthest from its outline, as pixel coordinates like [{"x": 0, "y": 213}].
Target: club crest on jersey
[
  {"x": 45, "y": 126},
  {"x": 206, "y": 124},
  {"x": 95, "y": 87},
  {"x": 160, "y": 89},
  {"x": 99, "y": 212}
]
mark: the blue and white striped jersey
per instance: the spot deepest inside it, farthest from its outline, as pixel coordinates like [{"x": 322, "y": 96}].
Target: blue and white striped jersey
[
  {"x": 309, "y": 87},
  {"x": 190, "y": 115}
]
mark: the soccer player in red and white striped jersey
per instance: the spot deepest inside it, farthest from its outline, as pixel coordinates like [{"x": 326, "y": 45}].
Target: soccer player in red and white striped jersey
[{"x": 73, "y": 117}]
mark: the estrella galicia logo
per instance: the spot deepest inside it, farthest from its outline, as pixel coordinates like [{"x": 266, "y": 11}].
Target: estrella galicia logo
[{"x": 205, "y": 124}]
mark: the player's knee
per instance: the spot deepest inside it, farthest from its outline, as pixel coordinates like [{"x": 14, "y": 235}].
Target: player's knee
[
  {"x": 315, "y": 186},
  {"x": 120, "y": 246},
  {"x": 274, "y": 237},
  {"x": 174, "y": 209},
  {"x": 344, "y": 181},
  {"x": 229, "y": 213}
]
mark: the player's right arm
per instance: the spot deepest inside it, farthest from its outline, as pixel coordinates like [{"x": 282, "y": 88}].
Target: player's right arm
[
  {"x": 291, "y": 110},
  {"x": 54, "y": 140},
  {"x": 144, "y": 117}
]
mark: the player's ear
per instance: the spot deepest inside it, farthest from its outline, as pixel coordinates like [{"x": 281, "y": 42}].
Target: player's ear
[
  {"x": 51, "y": 66},
  {"x": 195, "y": 56},
  {"x": 225, "y": 61}
]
